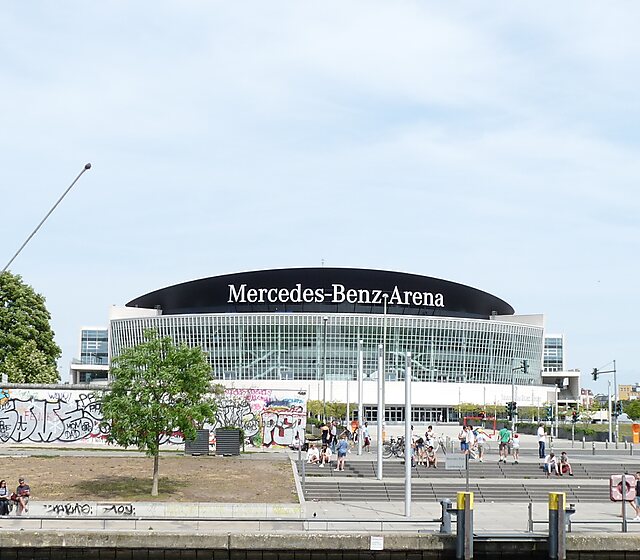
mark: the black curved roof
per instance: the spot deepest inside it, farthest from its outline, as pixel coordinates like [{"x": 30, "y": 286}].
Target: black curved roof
[{"x": 324, "y": 290}]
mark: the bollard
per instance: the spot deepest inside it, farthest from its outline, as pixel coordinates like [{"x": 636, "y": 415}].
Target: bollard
[
  {"x": 557, "y": 526},
  {"x": 631, "y": 449},
  {"x": 606, "y": 444},
  {"x": 593, "y": 448},
  {"x": 445, "y": 520},
  {"x": 464, "y": 526},
  {"x": 583, "y": 439},
  {"x": 569, "y": 512},
  {"x": 530, "y": 522}
]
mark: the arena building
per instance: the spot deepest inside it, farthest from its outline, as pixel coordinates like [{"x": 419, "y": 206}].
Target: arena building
[{"x": 301, "y": 328}]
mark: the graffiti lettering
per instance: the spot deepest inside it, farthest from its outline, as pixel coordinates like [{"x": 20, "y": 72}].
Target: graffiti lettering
[
  {"x": 118, "y": 509},
  {"x": 69, "y": 509},
  {"x": 68, "y": 416}
]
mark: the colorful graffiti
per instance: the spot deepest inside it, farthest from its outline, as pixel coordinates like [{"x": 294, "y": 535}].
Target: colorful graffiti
[{"x": 69, "y": 416}]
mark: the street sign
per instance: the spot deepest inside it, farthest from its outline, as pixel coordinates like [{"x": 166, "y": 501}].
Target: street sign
[{"x": 618, "y": 492}]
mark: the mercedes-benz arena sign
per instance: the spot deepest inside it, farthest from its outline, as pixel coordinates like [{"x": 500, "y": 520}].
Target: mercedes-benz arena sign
[{"x": 325, "y": 290}]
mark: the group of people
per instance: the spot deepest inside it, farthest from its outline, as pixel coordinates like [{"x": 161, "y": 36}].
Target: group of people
[
  {"x": 423, "y": 449},
  {"x": 322, "y": 456},
  {"x": 552, "y": 464},
  {"x": 20, "y": 497},
  {"x": 473, "y": 442},
  {"x": 557, "y": 465}
]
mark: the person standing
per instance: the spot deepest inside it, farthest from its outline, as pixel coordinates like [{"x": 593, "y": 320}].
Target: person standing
[
  {"x": 541, "y": 441},
  {"x": 637, "y": 503},
  {"x": 504, "y": 437},
  {"x": 334, "y": 436},
  {"x": 471, "y": 442},
  {"x": 515, "y": 445},
  {"x": 366, "y": 438},
  {"x": 481, "y": 438},
  {"x": 462, "y": 438},
  {"x": 325, "y": 433},
  {"x": 342, "y": 447}
]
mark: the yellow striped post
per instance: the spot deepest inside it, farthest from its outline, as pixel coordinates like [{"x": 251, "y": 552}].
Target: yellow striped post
[
  {"x": 557, "y": 526},
  {"x": 464, "y": 537}
]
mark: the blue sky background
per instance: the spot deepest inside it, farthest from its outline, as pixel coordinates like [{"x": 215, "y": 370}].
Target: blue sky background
[{"x": 491, "y": 145}]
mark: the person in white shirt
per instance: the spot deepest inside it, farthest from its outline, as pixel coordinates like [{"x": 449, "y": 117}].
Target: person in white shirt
[
  {"x": 515, "y": 444},
  {"x": 541, "y": 441},
  {"x": 481, "y": 438},
  {"x": 325, "y": 456},
  {"x": 366, "y": 438},
  {"x": 551, "y": 465},
  {"x": 471, "y": 442},
  {"x": 313, "y": 455}
]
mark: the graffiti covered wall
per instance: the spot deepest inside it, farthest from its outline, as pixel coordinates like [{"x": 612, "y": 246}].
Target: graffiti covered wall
[{"x": 269, "y": 417}]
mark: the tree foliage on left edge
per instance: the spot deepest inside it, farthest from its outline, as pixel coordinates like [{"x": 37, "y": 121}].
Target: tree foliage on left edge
[
  {"x": 157, "y": 388},
  {"x": 28, "y": 351}
]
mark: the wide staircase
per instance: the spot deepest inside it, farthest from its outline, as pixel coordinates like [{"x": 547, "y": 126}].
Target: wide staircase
[{"x": 491, "y": 482}]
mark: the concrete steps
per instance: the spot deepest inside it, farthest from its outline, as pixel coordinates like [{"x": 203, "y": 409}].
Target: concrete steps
[
  {"x": 395, "y": 469},
  {"x": 334, "y": 490}
]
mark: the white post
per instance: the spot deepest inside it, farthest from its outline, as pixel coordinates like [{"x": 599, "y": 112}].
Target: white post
[
  {"x": 348, "y": 420},
  {"x": 407, "y": 437},
  {"x": 615, "y": 392},
  {"x": 380, "y": 412},
  {"x": 609, "y": 402},
  {"x": 557, "y": 410},
  {"x": 360, "y": 396}
]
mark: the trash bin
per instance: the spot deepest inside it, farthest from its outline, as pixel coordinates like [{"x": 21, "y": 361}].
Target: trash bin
[
  {"x": 227, "y": 441},
  {"x": 198, "y": 446},
  {"x": 635, "y": 431}
]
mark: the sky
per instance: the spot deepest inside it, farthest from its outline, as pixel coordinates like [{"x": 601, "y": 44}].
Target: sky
[{"x": 494, "y": 145}]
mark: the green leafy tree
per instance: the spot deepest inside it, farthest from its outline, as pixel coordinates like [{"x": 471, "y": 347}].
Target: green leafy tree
[
  {"x": 157, "y": 388},
  {"x": 632, "y": 408},
  {"x": 28, "y": 352}
]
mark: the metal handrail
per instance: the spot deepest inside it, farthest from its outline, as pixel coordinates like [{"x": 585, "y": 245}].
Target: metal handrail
[{"x": 305, "y": 524}]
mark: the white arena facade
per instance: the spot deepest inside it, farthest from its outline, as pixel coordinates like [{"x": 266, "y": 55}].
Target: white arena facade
[{"x": 301, "y": 329}]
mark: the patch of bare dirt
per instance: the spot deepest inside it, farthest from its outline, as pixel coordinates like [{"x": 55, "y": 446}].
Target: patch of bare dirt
[{"x": 182, "y": 478}]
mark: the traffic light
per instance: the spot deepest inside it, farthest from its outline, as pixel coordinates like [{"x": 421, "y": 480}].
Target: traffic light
[
  {"x": 618, "y": 408},
  {"x": 574, "y": 416},
  {"x": 525, "y": 366},
  {"x": 507, "y": 408},
  {"x": 595, "y": 374},
  {"x": 511, "y": 408},
  {"x": 549, "y": 411},
  {"x": 514, "y": 408}
]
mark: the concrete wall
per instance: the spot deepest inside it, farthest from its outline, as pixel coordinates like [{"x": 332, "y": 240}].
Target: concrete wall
[{"x": 63, "y": 415}]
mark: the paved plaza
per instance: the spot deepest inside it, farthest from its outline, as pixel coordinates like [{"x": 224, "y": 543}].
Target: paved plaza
[{"x": 369, "y": 512}]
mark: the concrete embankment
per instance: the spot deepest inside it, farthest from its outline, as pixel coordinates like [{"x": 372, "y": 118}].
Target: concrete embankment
[{"x": 64, "y": 545}]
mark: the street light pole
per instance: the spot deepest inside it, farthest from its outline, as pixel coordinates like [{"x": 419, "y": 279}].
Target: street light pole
[
  {"x": 616, "y": 396},
  {"x": 86, "y": 168},
  {"x": 324, "y": 369},
  {"x": 513, "y": 400},
  {"x": 596, "y": 372},
  {"x": 380, "y": 412},
  {"x": 360, "y": 396}
]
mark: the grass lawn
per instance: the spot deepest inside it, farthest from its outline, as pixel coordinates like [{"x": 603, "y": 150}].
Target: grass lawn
[{"x": 182, "y": 478}]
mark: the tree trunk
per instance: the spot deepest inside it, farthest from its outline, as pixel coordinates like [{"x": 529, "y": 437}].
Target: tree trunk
[{"x": 156, "y": 461}]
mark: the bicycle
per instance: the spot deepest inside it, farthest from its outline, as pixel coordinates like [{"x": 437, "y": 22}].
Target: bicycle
[{"x": 393, "y": 448}]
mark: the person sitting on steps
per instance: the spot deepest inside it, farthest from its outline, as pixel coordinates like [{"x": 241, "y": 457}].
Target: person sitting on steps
[{"x": 23, "y": 492}]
